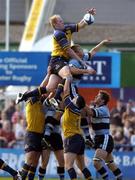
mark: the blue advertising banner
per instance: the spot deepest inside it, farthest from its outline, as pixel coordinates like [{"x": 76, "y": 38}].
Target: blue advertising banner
[
  {"x": 107, "y": 66},
  {"x": 22, "y": 68},
  {"x": 29, "y": 68},
  {"x": 125, "y": 160}
]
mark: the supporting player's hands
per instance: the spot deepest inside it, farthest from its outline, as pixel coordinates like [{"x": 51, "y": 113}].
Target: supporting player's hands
[
  {"x": 89, "y": 143},
  {"x": 83, "y": 64},
  {"x": 90, "y": 70}
]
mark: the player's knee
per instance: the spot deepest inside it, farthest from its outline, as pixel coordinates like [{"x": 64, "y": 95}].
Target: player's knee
[
  {"x": 68, "y": 166},
  {"x": 97, "y": 162},
  {"x": 44, "y": 163}
]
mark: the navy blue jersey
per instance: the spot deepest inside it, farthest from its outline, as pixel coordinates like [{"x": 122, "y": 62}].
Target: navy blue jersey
[
  {"x": 71, "y": 118},
  {"x": 62, "y": 40}
]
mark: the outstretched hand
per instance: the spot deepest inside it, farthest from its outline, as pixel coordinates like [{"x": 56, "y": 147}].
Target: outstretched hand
[
  {"x": 107, "y": 40},
  {"x": 89, "y": 143},
  {"x": 92, "y": 11}
]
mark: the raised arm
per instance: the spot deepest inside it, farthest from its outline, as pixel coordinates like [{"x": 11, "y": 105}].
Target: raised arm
[
  {"x": 67, "y": 86},
  {"x": 46, "y": 79},
  {"x": 87, "y": 20},
  {"x": 95, "y": 49},
  {"x": 89, "y": 111}
]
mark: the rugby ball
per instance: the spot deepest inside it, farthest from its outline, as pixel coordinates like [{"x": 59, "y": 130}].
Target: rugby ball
[{"x": 89, "y": 18}]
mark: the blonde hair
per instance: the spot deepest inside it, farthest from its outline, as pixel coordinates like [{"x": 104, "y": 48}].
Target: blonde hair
[{"x": 53, "y": 19}]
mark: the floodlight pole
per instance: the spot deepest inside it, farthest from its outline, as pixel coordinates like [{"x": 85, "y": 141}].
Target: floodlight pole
[{"x": 7, "y": 25}]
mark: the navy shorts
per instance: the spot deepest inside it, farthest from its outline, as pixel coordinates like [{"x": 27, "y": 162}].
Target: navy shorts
[
  {"x": 57, "y": 63},
  {"x": 104, "y": 142},
  {"x": 56, "y": 141},
  {"x": 32, "y": 142},
  {"x": 74, "y": 144}
]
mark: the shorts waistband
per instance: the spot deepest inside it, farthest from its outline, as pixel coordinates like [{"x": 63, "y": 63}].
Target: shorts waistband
[{"x": 59, "y": 57}]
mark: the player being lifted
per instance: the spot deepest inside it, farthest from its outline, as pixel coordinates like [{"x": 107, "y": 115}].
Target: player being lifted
[{"x": 62, "y": 52}]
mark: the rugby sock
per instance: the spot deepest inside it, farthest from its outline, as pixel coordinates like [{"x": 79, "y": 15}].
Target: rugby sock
[
  {"x": 24, "y": 171},
  {"x": 36, "y": 92},
  {"x": 59, "y": 90},
  {"x": 87, "y": 174},
  {"x": 72, "y": 174},
  {"x": 7, "y": 168},
  {"x": 118, "y": 174},
  {"x": 31, "y": 173},
  {"x": 60, "y": 172},
  {"x": 41, "y": 173},
  {"x": 103, "y": 173}
]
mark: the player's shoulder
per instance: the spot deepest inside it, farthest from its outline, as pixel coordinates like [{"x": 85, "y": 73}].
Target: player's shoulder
[
  {"x": 75, "y": 63},
  {"x": 58, "y": 34},
  {"x": 103, "y": 109},
  {"x": 69, "y": 27}
]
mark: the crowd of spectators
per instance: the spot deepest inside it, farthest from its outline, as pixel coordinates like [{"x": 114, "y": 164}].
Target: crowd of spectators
[
  {"x": 123, "y": 125},
  {"x": 13, "y": 124}
]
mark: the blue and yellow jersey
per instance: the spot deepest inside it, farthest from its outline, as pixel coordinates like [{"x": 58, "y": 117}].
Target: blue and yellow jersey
[
  {"x": 62, "y": 40},
  {"x": 71, "y": 119},
  {"x": 35, "y": 117}
]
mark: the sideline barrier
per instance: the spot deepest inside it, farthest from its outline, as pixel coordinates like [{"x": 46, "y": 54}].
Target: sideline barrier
[{"x": 125, "y": 160}]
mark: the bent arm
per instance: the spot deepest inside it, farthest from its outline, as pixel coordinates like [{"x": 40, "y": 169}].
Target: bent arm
[
  {"x": 89, "y": 111},
  {"x": 76, "y": 71}
]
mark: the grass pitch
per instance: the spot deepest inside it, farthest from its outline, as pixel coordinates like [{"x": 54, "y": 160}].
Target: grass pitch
[{"x": 10, "y": 178}]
